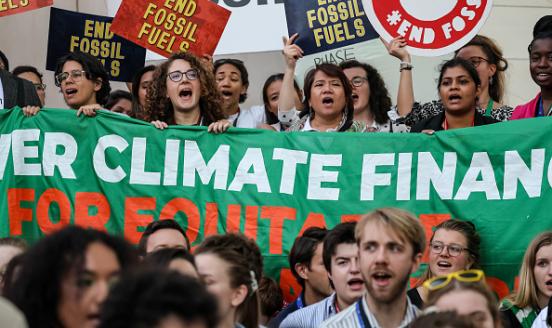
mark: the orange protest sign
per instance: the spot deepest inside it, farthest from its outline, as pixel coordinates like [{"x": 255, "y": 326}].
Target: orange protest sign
[
  {"x": 12, "y": 7},
  {"x": 168, "y": 26}
]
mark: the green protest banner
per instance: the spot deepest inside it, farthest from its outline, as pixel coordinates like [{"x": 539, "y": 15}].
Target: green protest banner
[{"x": 118, "y": 174}]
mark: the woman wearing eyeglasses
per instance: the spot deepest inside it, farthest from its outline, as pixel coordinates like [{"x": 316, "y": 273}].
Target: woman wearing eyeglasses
[
  {"x": 183, "y": 92},
  {"x": 490, "y": 64},
  {"x": 453, "y": 246},
  {"x": 535, "y": 283},
  {"x": 466, "y": 293},
  {"x": 361, "y": 88},
  {"x": 83, "y": 82}
]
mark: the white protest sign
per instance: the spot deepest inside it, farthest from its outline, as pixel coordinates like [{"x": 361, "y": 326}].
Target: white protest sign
[{"x": 431, "y": 27}]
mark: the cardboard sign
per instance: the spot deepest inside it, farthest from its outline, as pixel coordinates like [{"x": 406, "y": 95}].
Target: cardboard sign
[
  {"x": 169, "y": 26},
  {"x": 431, "y": 28},
  {"x": 12, "y": 7},
  {"x": 71, "y": 31},
  {"x": 324, "y": 25}
]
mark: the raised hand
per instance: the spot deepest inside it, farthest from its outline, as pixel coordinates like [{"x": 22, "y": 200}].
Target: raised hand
[
  {"x": 292, "y": 52},
  {"x": 397, "y": 48}
]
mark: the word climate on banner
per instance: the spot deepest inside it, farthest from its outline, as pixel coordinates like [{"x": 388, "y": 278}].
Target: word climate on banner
[
  {"x": 12, "y": 7},
  {"x": 71, "y": 31},
  {"x": 327, "y": 24},
  {"x": 118, "y": 174},
  {"x": 168, "y": 26},
  {"x": 431, "y": 28}
]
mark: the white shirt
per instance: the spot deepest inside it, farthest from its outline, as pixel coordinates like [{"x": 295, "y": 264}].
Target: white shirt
[
  {"x": 540, "y": 321},
  {"x": 1, "y": 95},
  {"x": 248, "y": 118}
]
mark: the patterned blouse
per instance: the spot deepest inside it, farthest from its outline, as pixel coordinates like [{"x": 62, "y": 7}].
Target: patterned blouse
[{"x": 421, "y": 112}]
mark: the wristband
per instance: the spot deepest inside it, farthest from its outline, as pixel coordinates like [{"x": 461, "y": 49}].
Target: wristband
[{"x": 405, "y": 66}]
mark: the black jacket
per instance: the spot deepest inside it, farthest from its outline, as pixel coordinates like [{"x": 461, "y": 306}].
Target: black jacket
[
  {"x": 17, "y": 92},
  {"x": 435, "y": 123}
]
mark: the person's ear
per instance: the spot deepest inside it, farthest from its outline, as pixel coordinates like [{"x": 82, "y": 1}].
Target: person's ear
[
  {"x": 239, "y": 295},
  {"x": 417, "y": 260},
  {"x": 98, "y": 84},
  {"x": 302, "y": 270}
]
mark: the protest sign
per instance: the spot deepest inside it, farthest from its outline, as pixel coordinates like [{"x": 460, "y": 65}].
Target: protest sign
[
  {"x": 12, "y": 7},
  {"x": 169, "y": 26},
  {"x": 118, "y": 174},
  {"x": 323, "y": 25},
  {"x": 246, "y": 29},
  {"x": 72, "y": 31},
  {"x": 431, "y": 28}
]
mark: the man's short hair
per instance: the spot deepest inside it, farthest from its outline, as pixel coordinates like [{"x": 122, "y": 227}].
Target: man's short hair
[
  {"x": 27, "y": 69},
  {"x": 405, "y": 224},
  {"x": 343, "y": 233},
  {"x": 156, "y": 226},
  {"x": 303, "y": 250}
]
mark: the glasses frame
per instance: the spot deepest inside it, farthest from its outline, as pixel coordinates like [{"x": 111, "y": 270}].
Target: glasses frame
[
  {"x": 75, "y": 74},
  {"x": 40, "y": 86},
  {"x": 361, "y": 78},
  {"x": 187, "y": 74},
  {"x": 447, "y": 246},
  {"x": 439, "y": 282},
  {"x": 478, "y": 60}
]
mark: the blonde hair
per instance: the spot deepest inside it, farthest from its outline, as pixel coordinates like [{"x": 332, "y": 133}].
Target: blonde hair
[
  {"x": 404, "y": 223},
  {"x": 527, "y": 293}
]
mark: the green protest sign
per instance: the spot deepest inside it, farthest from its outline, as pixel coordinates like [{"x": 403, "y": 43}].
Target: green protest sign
[{"x": 118, "y": 174}]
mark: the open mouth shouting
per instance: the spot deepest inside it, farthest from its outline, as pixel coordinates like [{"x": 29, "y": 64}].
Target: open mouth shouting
[
  {"x": 548, "y": 284},
  {"x": 356, "y": 284},
  {"x": 70, "y": 92},
  {"x": 328, "y": 101},
  {"x": 185, "y": 94},
  {"x": 382, "y": 278},
  {"x": 454, "y": 99}
]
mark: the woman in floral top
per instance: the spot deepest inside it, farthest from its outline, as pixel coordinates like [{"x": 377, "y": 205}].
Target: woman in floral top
[{"x": 490, "y": 64}]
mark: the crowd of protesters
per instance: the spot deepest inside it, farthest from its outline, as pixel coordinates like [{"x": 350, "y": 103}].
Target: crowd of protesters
[{"x": 355, "y": 275}]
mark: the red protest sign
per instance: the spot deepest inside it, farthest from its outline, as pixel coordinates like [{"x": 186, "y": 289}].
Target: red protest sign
[
  {"x": 431, "y": 28},
  {"x": 168, "y": 26},
  {"x": 12, "y": 7}
]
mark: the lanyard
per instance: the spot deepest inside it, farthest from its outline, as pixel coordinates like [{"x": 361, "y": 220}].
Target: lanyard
[
  {"x": 362, "y": 318},
  {"x": 489, "y": 107},
  {"x": 540, "y": 108},
  {"x": 299, "y": 300},
  {"x": 237, "y": 117}
]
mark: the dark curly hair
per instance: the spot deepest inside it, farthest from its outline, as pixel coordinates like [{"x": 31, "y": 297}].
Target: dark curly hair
[
  {"x": 244, "y": 257},
  {"x": 380, "y": 102},
  {"x": 494, "y": 57},
  {"x": 36, "y": 289},
  {"x": 159, "y": 107},
  {"x": 94, "y": 70},
  {"x": 332, "y": 71},
  {"x": 144, "y": 298}
]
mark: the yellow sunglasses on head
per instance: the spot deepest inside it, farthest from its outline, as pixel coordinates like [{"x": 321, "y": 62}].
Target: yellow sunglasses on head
[{"x": 463, "y": 276}]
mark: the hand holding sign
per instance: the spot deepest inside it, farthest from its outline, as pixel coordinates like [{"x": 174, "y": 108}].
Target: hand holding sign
[{"x": 292, "y": 52}]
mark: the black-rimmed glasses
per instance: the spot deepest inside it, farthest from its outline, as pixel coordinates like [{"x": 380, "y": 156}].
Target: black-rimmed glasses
[{"x": 191, "y": 74}]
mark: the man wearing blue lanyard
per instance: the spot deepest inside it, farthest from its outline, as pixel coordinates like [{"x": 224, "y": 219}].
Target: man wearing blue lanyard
[
  {"x": 307, "y": 266},
  {"x": 391, "y": 243},
  {"x": 341, "y": 262}
]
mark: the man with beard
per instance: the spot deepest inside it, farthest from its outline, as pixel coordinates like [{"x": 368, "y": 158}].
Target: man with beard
[
  {"x": 341, "y": 261},
  {"x": 390, "y": 243}
]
